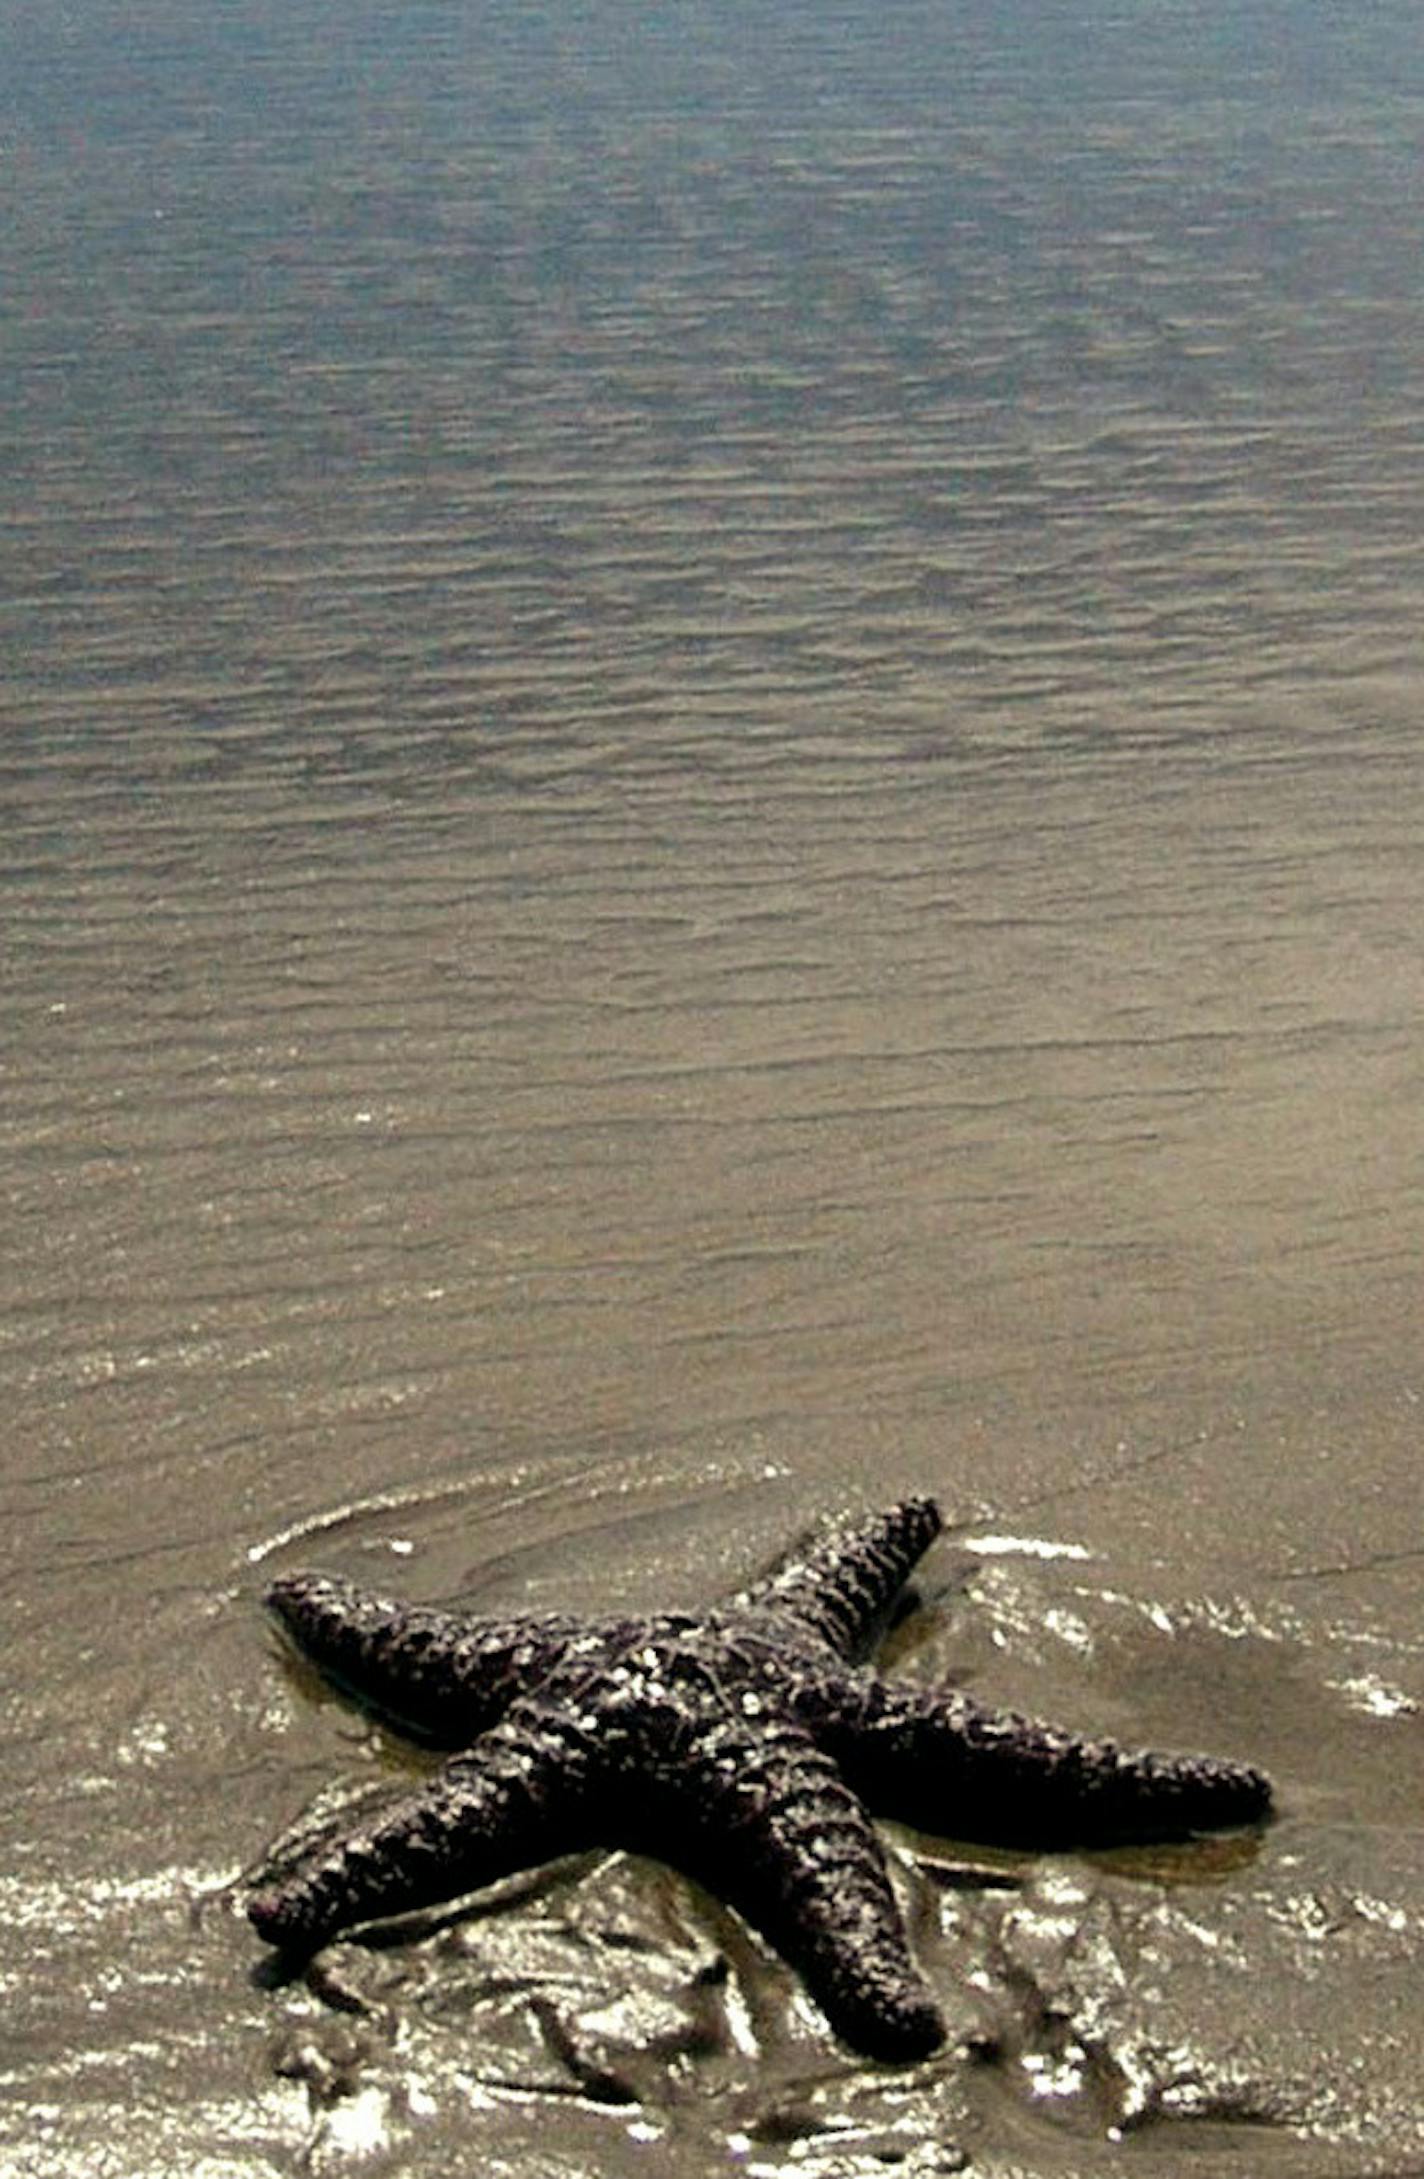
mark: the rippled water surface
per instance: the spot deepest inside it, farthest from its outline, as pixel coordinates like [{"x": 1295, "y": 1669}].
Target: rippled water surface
[{"x": 712, "y": 806}]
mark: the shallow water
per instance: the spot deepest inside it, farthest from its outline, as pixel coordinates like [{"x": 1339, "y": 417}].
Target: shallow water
[{"x": 712, "y": 795}]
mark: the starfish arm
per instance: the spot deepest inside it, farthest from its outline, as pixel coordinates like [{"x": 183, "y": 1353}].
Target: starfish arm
[
  {"x": 950, "y": 1765},
  {"x": 841, "y": 1590},
  {"x": 439, "y": 1676},
  {"x": 521, "y": 1796},
  {"x": 776, "y": 1832}
]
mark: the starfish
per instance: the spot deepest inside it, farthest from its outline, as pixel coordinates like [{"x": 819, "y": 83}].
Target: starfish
[{"x": 746, "y": 1745}]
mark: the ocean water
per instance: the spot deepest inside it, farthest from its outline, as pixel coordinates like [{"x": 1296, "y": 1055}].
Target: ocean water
[{"x": 711, "y": 778}]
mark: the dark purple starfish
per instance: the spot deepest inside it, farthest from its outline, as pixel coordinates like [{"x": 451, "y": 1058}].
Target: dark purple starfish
[{"x": 741, "y": 1744}]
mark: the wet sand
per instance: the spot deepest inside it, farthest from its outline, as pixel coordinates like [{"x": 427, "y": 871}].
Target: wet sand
[{"x": 712, "y": 796}]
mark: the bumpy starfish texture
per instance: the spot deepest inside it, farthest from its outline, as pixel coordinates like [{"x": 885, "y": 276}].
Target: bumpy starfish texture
[{"x": 743, "y": 1745}]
